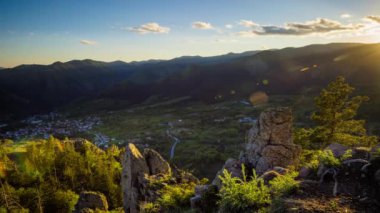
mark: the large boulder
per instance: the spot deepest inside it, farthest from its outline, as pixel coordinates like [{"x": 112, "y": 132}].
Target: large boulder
[
  {"x": 140, "y": 170},
  {"x": 270, "y": 141},
  {"x": 156, "y": 163},
  {"x": 135, "y": 169},
  {"x": 91, "y": 200}
]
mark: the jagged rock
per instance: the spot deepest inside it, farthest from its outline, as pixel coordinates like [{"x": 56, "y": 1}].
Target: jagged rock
[
  {"x": 233, "y": 166},
  {"x": 135, "y": 169},
  {"x": 139, "y": 170},
  {"x": 155, "y": 163},
  {"x": 91, "y": 200},
  {"x": 270, "y": 141}
]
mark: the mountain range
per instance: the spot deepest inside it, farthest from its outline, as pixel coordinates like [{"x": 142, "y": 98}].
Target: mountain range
[{"x": 29, "y": 89}]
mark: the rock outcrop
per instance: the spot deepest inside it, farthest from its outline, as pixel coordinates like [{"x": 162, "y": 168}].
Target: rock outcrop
[
  {"x": 156, "y": 164},
  {"x": 139, "y": 170},
  {"x": 270, "y": 141},
  {"x": 91, "y": 200},
  {"x": 135, "y": 169}
]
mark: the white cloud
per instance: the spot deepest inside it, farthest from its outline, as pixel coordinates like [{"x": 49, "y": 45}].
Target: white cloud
[
  {"x": 317, "y": 26},
  {"x": 151, "y": 27},
  {"x": 345, "y": 15},
  {"x": 248, "y": 23},
  {"x": 202, "y": 25},
  {"x": 228, "y": 26},
  {"x": 87, "y": 42}
]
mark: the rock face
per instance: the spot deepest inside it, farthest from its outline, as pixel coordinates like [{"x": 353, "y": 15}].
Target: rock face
[
  {"x": 138, "y": 170},
  {"x": 134, "y": 170},
  {"x": 270, "y": 141},
  {"x": 91, "y": 200},
  {"x": 156, "y": 164}
]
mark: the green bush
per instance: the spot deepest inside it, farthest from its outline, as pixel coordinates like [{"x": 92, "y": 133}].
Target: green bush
[
  {"x": 238, "y": 195},
  {"x": 176, "y": 197},
  {"x": 310, "y": 159},
  {"x": 284, "y": 184},
  {"x": 49, "y": 174},
  {"x": 149, "y": 208},
  {"x": 302, "y": 137},
  {"x": 328, "y": 159}
]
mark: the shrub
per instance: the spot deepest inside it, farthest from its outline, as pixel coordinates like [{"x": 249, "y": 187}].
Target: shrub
[
  {"x": 310, "y": 159},
  {"x": 302, "y": 137},
  {"x": 328, "y": 159},
  {"x": 46, "y": 176},
  {"x": 241, "y": 195},
  {"x": 175, "y": 197},
  {"x": 149, "y": 208},
  {"x": 284, "y": 184}
]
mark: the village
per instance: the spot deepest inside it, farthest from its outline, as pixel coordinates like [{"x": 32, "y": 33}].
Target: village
[{"x": 42, "y": 126}]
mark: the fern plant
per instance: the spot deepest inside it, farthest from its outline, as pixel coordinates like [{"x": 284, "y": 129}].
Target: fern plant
[{"x": 242, "y": 195}]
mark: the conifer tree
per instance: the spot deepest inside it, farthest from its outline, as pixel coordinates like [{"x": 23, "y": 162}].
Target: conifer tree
[{"x": 335, "y": 116}]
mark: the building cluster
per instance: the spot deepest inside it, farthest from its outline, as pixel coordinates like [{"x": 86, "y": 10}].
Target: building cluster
[{"x": 51, "y": 124}]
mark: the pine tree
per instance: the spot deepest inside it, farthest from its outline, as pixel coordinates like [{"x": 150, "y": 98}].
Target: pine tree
[{"x": 336, "y": 110}]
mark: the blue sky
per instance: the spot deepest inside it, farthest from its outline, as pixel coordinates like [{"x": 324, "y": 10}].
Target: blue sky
[{"x": 44, "y": 31}]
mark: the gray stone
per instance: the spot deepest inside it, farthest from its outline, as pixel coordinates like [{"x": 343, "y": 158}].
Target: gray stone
[
  {"x": 270, "y": 141},
  {"x": 134, "y": 171},
  {"x": 156, "y": 163}
]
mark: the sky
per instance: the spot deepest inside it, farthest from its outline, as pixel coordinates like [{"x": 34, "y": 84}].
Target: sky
[{"x": 45, "y": 31}]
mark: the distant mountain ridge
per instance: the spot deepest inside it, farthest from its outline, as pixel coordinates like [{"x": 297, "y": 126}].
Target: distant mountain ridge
[{"x": 36, "y": 88}]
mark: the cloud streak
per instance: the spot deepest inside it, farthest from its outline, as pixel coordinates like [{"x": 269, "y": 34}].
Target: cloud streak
[
  {"x": 87, "y": 42},
  {"x": 345, "y": 15},
  {"x": 248, "y": 23},
  {"x": 151, "y": 27},
  {"x": 202, "y": 25},
  {"x": 317, "y": 26}
]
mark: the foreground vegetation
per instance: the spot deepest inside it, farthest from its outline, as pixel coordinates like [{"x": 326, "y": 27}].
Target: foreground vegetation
[{"x": 48, "y": 175}]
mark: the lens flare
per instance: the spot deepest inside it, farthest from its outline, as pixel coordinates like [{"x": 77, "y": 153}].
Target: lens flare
[{"x": 258, "y": 98}]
